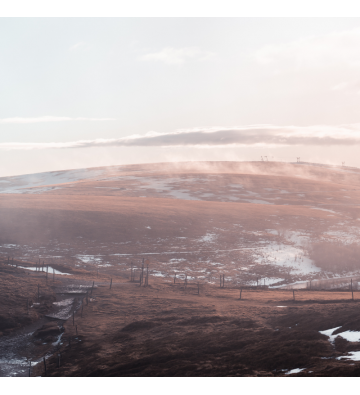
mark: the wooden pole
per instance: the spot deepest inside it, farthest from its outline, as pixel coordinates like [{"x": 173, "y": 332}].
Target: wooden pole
[
  {"x": 30, "y": 369},
  {"x": 110, "y": 283},
  {"x": 257, "y": 282},
  {"x": 175, "y": 278},
  {"x": 294, "y": 294},
  {"x": 53, "y": 274},
  {"x": 240, "y": 292},
  {"x": 58, "y": 360},
  {"x": 44, "y": 365},
  {"x": 147, "y": 275},
  {"x": 82, "y": 307},
  {"x": 220, "y": 280},
  {"x": 27, "y": 303},
  {"x": 76, "y": 329},
  {"x": 223, "y": 280},
  {"x": 142, "y": 272},
  {"x": 198, "y": 288},
  {"x": 73, "y": 318},
  {"x": 38, "y": 292}
]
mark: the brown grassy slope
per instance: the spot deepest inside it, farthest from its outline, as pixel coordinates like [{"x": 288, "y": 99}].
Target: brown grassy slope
[
  {"x": 16, "y": 286},
  {"x": 163, "y": 331},
  {"x": 40, "y": 218}
]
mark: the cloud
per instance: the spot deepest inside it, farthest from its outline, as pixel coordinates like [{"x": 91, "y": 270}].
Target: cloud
[
  {"x": 347, "y": 87},
  {"x": 322, "y": 51},
  {"x": 177, "y": 55},
  {"x": 50, "y": 119},
  {"x": 77, "y": 46},
  {"x": 252, "y": 135}
]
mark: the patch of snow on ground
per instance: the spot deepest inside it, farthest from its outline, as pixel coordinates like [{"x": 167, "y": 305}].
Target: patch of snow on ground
[
  {"x": 257, "y": 201},
  {"x": 286, "y": 256},
  {"x": 354, "y": 356},
  {"x": 323, "y": 209},
  {"x": 329, "y": 333},
  {"x": 19, "y": 184},
  {"x": 350, "y": 336},
  {"x": 51, "y": 270},
  {"x": 294, "y": 371},
  {"x": 89, "y": 258},
  {"x": 208, "y": 238}
]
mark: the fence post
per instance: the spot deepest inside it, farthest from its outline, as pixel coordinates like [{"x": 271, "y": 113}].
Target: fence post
[
  {"x": 220, "y": 280},
  {"x": 30, "y": 369},
  {"x": 142, "y": 272},
  {"x": 45, "y": 365},
  {"x": 131, "y": 273},
  {"x": 294, "y": 294},
  {"x": 73, "y": 317},
  {"x": 53, "y": 274},
  {"x": 110, "y": 283},
  {"x": 147, "y": 275},
  {"x": 240, "y": 292},
  {"x": 198, "y": 288},
  {"x": 223, "y": 280},
  {"x": 38, "y": 293},
  {"x": 174, "y": 278},
  {"x": 76, "y": 329}
]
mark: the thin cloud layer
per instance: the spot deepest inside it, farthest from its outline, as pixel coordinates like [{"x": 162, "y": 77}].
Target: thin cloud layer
[
  {"x": 177, "y": 55},
  {"x": 50, "y": 119},
  {"x": 253, "y": 135},
  {"x": 333, "y": 50}
]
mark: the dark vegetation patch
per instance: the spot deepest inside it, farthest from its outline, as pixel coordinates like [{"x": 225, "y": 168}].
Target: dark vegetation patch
[
  {"x": 202, "y": 320},
  {"x": 139, "y": 326},
  {"x": 335, "y": 256}
]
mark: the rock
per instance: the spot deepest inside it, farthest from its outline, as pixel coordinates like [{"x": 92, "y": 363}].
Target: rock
[{"x": 49, "y": 329}]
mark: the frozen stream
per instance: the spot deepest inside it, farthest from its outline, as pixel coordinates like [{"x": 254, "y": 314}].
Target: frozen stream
[{"x": 18, "y": 348}]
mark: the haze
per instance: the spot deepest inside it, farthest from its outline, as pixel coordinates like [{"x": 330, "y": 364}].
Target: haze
[{"x": 80, "y": 93}]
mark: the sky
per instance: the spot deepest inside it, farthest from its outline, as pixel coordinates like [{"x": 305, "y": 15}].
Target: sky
[{"x": 87, "y": 92}]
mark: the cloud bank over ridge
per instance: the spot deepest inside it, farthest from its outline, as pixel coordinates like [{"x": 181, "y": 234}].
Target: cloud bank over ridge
[{"x": 252, "y": 135}]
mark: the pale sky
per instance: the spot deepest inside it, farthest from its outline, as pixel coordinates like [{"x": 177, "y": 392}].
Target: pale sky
[{"x": 79, "y": 92}]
